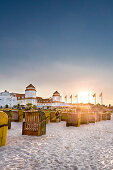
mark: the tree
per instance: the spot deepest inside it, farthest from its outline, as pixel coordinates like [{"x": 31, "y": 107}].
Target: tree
[
  {"x": 18, "y": 106},
  {"x": 29, "y": 105},
  {"x": 6, "y": 106},
  {"x": 34, "y": 107}
]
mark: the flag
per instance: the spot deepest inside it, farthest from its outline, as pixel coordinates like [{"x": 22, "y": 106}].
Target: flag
[
  {"x": 94, "y": 95},
  {"x": 71, "y": 97},
  {"x": 66, "y": 97},
  {"x": 100, "y": 95}
]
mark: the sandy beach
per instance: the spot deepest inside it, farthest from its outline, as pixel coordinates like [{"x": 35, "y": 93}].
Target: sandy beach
[{"x": 64, "y": 148}]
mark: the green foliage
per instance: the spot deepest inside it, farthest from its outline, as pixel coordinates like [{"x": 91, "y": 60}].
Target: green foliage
[
  {"x": 34, "y": 107},
  {"x": 6, "y": 106},
  {"x": 29, "y": 105},
  {"x": 17, "y": 106}
]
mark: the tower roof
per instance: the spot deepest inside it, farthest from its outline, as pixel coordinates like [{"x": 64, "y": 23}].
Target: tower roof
[
  {"x": 30, "y": 87},
  {"x": 56, "y": 93}
]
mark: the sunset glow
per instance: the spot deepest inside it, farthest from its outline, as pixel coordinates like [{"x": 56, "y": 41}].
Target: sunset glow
[
  {"x": 83, "y": 97},
  {"x": 56, "y": 84}
]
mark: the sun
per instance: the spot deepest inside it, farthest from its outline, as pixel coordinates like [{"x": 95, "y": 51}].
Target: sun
[{"x": 83, "y": 97}]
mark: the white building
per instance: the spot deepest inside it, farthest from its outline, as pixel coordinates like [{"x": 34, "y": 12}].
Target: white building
[
  {"x": 28, "y": 97},
  {"x": 56, "y": 97},
  {"x": 20, "y": 99},
  {"x": 7, "y": 99}
]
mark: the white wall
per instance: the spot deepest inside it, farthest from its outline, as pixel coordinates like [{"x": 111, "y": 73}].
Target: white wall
[
  {"x": 56, "y": 98},
  {"x": 7, "y": 99},
  {"x": 30, "y": 94},
  {"x": 33, "y": 101},
  {"x": 21, "y": 102}
]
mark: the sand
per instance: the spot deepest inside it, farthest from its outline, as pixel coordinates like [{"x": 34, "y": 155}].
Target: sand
[{"x": 88, "y": 147}]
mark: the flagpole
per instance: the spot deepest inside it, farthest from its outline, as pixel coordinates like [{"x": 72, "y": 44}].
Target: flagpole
[
  {"x": 66, "y": 98},
  {"x": 77, "y": 99},
  {"x": 101, "y": 100},
  {"x": 89, "y": 98},
  {"x": 94, "y": 95},
  {"x": 95, "y": 99},
  {"x": 71, "y": 98}
]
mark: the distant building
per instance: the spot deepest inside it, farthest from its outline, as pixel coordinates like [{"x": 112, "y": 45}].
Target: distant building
[
  {"x": 30, "y": 97},
  {"x": 7, "y": 98},
  {"x": 41, "y": 101},
  {"x": 56, "y": 96},
  {"x": 20, "y": 99}
]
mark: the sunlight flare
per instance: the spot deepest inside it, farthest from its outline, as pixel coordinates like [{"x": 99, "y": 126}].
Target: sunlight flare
[{"x": 83, "y": 97}]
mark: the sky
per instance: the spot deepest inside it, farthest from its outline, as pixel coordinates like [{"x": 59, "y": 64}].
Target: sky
[{"x": 62, "y": 45}]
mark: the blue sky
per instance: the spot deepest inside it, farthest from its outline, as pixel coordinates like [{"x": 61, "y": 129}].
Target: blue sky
[{"x": 63, "y": 45}]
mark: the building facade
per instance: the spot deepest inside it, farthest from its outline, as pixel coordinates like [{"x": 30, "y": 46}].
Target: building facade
[
  {"x": 30, "y": 97},
  {"x": 20, "y": 99},
  {"x": 7, "y": 98},
  {"x": 56, "y": 97}
]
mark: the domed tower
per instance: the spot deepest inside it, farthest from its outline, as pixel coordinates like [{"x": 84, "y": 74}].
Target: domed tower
[
  {"x": 30, "y": 95},
  {"x": 56, "y": 96}
]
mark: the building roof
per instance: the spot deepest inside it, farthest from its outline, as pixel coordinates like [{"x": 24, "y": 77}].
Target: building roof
[
  {"x": 56, "y": 93},
  {"x": 30, "y": 87},
  {"x": 47, "y": 100},
  {"x": 20, "y": 96},
  {"x": 41, "y": 100},
  {"x": 13, "y": 94}
]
